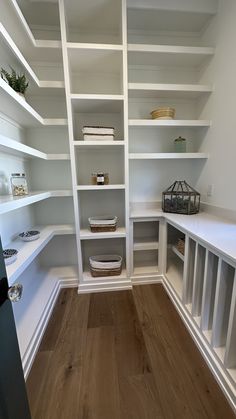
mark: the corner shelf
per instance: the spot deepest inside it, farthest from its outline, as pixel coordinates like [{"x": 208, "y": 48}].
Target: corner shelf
[
  {"x": 16, "y": 108},
  {"x": 10, "y": 203},
  {"x": 169, "y": 123},
  {"x": 28, "y": 251},
  {"x": 167, "y": 156},
  {"x": 86, "y": 234},
  {"x": 16, "y": 148},
  {"x": 148, "y": 90}
]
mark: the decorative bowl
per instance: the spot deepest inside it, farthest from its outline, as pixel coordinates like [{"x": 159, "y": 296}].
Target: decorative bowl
[
  {"x": 29, "y": 236},
  {"x": 10, "y": 256}
]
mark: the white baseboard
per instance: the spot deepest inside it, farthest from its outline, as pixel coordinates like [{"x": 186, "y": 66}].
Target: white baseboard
[
  {"x": 146, "y": 280},
  {"x": 29, "y": 355}
]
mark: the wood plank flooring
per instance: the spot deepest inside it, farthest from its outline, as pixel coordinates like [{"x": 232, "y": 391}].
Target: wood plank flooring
[{"x": 121, "y": 355}]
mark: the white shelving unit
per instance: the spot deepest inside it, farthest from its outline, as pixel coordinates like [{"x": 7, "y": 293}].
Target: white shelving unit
[{"x": 109, "y": 70}]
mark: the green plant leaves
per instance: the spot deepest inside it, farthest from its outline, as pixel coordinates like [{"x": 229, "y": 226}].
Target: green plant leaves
[{"x": 17, "y": 81}]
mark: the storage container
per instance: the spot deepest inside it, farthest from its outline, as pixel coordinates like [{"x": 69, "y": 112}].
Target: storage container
[
  {"x": 181, "y": 198},
  {"x": 19, "y": 184},
  {"x": 105, "y": 265},
  {"x": 103, "y": 223}
]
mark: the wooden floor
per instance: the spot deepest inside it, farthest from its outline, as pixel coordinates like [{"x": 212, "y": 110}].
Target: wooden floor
[{"x": 121, "y": 355}]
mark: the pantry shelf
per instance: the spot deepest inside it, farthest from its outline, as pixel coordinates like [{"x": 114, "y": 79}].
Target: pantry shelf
[
  {"x": 155, "y": 90},
  {"x": 89, "y": 103},
  {"x": 169, "y": 123},
  {"x": 145, "y": 244},
  {"x": 168, "y": 55},
  {"x": 28, "y": 251},
  {"x": 93, "y": 46},
  {"x": 86, "y": 234},
  {"x": 175, "y": 250},
  {"x": 99, "y": 187},
  {"x": 10, "y": 203},
  {"x": 87, "y": 277},
  {"x": 98, "y": 144},
  {"x": 167, "y": 156}
]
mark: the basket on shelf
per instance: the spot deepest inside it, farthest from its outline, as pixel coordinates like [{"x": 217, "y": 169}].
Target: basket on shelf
[
  {"x": 181, "y": 198},
  {"x": 105, "y": 265},
  {"x": 181, "y": 246},
  {"x": 164, "y": 112},
  {"x": 102, "y": 224}
]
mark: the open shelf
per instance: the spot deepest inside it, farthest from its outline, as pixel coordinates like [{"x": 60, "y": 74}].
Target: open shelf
[
  {"x": 98, "y": 144},
  {"x": 15, "y": 107},
  {"x": 169, "y": 123},
  {"x": 86, "y": 234},
  {"x": 28, "y": 251},
  {"x": 175, "y": 250},
  {"x": 144, "y": 270},
  {"x": 10, "y": 203},
  {"x": 153, "y": 90},
  {"x": 97, "y": 103},
  {"x": 162, "y": 156},
  {"x": 168, "y": 55},
  {"x": 95, "y": 71},
  {"x": 174, "y": 275},
  {"x": 16, "y": 148},
  {"x": 99, "y": 187},
  {"x": 145, "y": 243}
]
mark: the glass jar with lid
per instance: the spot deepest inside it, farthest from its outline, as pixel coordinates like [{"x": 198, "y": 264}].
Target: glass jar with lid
[
  {"x": 19, "y": 184},
  {"x": 180, "y": 145}
]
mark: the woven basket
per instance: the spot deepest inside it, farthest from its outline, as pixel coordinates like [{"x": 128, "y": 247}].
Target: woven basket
[
  {"x": 102, "y": 228},
  {"x": 163, "y": 113},
  {"x": 181, "y": 246},
  {"x": 105, "y": 272}
]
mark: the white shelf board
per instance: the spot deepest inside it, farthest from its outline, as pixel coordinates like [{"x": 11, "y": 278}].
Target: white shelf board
[
  {"x": 144, "y": 270},
  {"x": 86, "y": 234},
  {"x": 10, "y": 146},
  {"x": 169, "y": 123},
  {"x": 150, "y": 90},
  {"x": 145, "y": 244},
  {"x": 168, "y": 55},
  {"x": 98, "y": 144},
  {"x": 30, "y": 72},
  {"x": 16, "y": 108},
  {"x": 87, "y": 277},
  {"x": 99, "y": 187},
  {"x": 10, "y": 203},
  {"x": 92, "y": 46},
  {"x": 167, "y": 156},
  {"x": 28, "y": 251},
  {"x": 91, "y": 103},
  {"x": 175, "y": 250}
]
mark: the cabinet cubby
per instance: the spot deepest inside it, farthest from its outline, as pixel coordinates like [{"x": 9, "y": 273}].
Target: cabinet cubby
[
  {"x": 95, "y": 71},
  {"x": 198, "y": 280},
  {"x": 99, "y": 118},
  {"x": 109, "y": 161},
  {"x": 209, "y": 290}
]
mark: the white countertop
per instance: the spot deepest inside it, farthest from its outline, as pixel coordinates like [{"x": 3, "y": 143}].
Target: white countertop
[{"x": 218, "y": 233}]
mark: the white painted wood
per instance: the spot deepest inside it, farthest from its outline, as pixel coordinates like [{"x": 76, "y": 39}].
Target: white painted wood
[
  {"x": 86, "y": 234},
  {"x": 175, "y": 250},
  {"x": 145, "y": 244},
  {"x": 230, "y": 351},
  {"x": 167, "y": 156},
  {"x": 96, "y": 103},
  {"x": 174, "y": 276},
  {"x": 198, "y": 280},
  {"x": 99, "y": 187},
  {"x": 171, "y": 56},
  {"x": 71, "y": 134},
  {"x": 87, "y": 278},
  {"x": 28, "y": 251},
  {"x": 146, "y": 90},
  {"x": 209, "y": 289},
  {"x": 86, "y": 45},
  {"x": 223, "y": 298},
  {"x": 98, "y": 144},
  {"x": 168, "y": 123}
]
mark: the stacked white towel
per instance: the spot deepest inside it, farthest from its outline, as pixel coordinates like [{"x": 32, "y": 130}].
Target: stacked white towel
[{"x": 98, "y": 133}]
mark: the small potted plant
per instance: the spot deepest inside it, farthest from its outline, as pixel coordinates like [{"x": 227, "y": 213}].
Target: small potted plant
[{"x": 17, "y": 81}]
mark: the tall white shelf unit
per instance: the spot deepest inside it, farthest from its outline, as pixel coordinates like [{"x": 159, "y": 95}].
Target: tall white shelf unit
[{"x": 96, "y": 92}]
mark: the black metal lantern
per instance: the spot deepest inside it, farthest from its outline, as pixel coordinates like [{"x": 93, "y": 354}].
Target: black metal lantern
[{"x": 181, "y": 198}]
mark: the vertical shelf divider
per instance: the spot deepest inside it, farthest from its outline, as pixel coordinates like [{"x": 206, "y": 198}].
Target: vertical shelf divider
[
  {"x": 71, "y": 133},
  {"x": 230, "y": 352}
]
